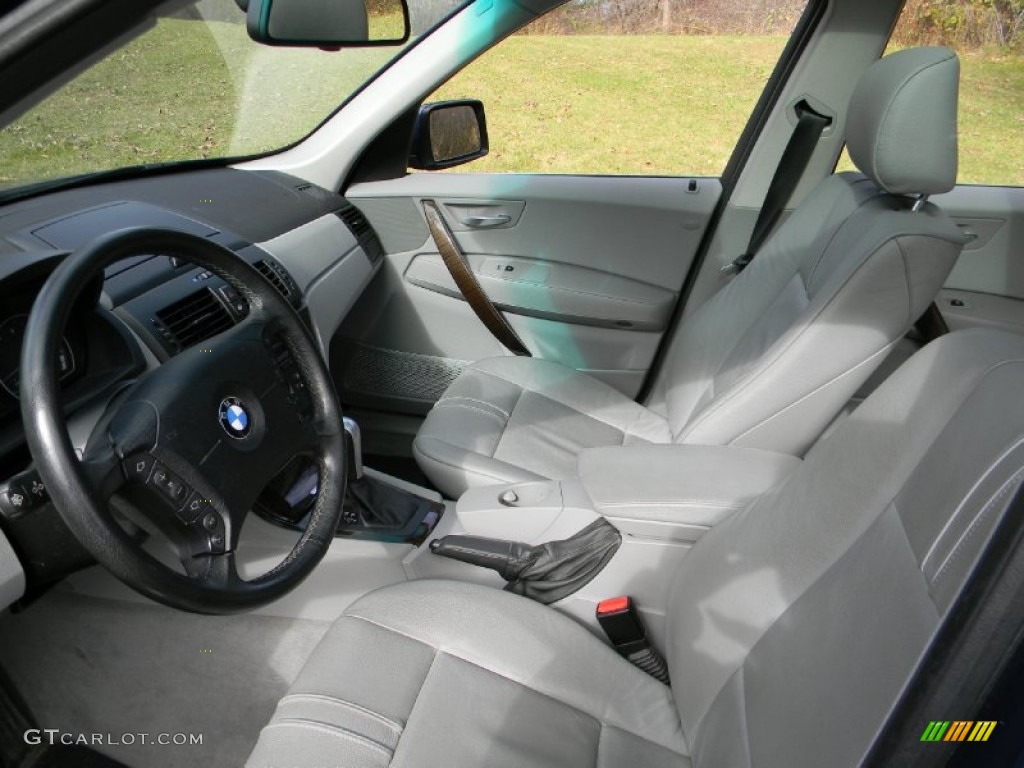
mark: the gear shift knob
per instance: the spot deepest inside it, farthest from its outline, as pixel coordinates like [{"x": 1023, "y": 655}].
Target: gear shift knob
[{"x": 354, "y": 444}]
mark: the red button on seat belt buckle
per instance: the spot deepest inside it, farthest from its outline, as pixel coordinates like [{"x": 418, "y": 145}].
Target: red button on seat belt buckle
[
  {"x": 613, "y": 605},
  {"x": 621, "y": 623}
]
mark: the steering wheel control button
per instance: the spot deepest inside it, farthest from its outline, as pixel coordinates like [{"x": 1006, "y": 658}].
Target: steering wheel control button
[
  {"x": 194, "y": 508},
  {"x": 214, "y": 527},
  {"x": 235, "y": 418},
  {"x": 137, "y": 469},
  {"x": 171, "y": 487},
  {"x": 509, "y": 498}
]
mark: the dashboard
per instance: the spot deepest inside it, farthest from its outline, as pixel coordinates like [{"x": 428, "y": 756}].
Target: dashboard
[
  {"x": 12, "y": 336},
  {"x": 311, "y": 244}
]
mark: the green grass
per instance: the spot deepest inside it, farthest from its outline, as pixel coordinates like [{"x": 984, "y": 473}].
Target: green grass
[
  {"x": 992, "y": 119},
  {"x": 633, "y": 105},
  {"x": 158, "y": 113},
  {"x": 183, "y": 90}
]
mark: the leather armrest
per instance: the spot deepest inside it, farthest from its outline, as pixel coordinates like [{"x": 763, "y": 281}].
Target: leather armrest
[{"x": 692, "y": 485}]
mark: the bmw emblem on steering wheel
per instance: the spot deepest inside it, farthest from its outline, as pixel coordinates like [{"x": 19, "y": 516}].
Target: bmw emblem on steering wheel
[{"x": 234, "y": 418}]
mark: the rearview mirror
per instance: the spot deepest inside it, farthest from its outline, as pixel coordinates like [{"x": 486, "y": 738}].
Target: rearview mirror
[
  {"x": 328, "y": 23},
  {"x": 448, "y": 133}
]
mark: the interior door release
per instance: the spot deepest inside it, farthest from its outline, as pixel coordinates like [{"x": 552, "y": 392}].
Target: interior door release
[{"x": 483, "y": 222}]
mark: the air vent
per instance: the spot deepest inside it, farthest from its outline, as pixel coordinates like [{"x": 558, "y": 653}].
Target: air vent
[
  {"x": 360, "y": 227},
  {"x": 192, "y": 319},
  {"x": 355, "y": 221},
  {"x": 276, "y": 280}
]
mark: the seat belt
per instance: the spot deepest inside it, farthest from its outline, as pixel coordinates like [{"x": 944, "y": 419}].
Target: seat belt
[
  {"x": 810, "y": 125},
  {"x": 467, "y": 283},
  {"x": 808, "y": 130}
]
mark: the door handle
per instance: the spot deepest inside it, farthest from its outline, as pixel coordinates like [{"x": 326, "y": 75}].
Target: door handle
[{"x": 484, "y": 222}]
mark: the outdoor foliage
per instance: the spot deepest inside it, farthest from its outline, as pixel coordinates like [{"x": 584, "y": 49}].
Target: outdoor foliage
[
  {"x": 674, "y": 17},
  {"x": 960, "y": 23}
]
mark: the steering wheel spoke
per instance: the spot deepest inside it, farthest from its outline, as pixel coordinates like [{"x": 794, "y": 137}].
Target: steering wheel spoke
[
  {"x": 217, "y": 571},
  {"x": 103, "y": 473}
]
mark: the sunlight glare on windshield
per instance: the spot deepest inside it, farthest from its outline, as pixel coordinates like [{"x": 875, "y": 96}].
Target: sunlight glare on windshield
[{"x": 192, "y": 87}]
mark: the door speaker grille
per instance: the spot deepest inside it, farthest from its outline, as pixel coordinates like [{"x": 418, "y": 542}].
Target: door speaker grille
[{"x": 388, "y": 373}]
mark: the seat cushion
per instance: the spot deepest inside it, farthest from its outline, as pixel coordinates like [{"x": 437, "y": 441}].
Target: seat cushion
[
  {"x": 437, "y": 673},
  {"x": 513, "y": 419}
]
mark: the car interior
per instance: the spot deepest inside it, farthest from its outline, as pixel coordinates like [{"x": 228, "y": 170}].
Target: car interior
[{"x": 333, "y": 451}]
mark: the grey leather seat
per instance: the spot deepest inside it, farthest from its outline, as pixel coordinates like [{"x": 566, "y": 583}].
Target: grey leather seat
[
  {"x": 792, "y": 625},
  {"x": 770, "y": 359}
]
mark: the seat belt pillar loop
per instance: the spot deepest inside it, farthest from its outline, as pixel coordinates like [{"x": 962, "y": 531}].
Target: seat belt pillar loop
[{"x": 810, "y": 125}]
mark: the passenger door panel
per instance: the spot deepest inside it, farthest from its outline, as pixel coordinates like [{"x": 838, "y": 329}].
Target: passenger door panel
[
  {"x": 587, "y": 270},
  {"x": 562, "y": 292},
  {"x": 986, "y": 287}
]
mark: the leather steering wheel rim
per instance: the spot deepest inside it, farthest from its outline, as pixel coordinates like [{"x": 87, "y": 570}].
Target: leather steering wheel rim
[{"x": 84, "y": 505}]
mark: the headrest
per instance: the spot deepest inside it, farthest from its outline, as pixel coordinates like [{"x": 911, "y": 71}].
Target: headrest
[{"x": 901, "y": 124}]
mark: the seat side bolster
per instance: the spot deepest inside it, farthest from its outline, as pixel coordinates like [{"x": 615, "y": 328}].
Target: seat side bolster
[
  {"x": 453, "y": 468},
  {"x": 513, "y": 419}
]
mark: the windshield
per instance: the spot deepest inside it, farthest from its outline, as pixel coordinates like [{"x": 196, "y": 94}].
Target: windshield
[{"x": 193, "y": 87}]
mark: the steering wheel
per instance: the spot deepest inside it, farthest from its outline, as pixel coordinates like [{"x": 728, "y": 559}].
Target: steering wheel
[{"x": 195, "y": 439}]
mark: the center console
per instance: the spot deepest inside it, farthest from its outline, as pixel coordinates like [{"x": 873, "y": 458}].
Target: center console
[
  {"x": 377, "y": 507},
  {"x": 661, "y": 498}
]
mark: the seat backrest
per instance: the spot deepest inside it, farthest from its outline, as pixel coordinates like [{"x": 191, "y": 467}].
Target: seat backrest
[
  {"x": 794, "y": 624},
  {"x": 772, "y": 358}
]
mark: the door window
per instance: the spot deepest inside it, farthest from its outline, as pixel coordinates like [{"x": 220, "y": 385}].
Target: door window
[{"x": 613, "y": 87}]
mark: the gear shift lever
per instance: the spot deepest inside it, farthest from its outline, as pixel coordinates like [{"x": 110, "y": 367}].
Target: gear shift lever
[
  {"x": 369, "y": 502},
  {"x": 354, "y": 444}
]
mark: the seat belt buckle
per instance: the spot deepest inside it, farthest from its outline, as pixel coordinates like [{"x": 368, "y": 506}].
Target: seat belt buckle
[
  {"x": 625, "y": 631},
  {"x": 622, "y": 625}
]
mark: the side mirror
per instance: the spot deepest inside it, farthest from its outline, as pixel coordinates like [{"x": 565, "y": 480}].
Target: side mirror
[
  {"x": 448, "y": 133},
  {"x": 327, "y": 23}
]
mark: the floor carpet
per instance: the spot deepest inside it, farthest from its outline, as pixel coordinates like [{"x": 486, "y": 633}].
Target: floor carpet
[{"x": 90, "y": 666}]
